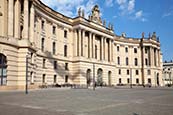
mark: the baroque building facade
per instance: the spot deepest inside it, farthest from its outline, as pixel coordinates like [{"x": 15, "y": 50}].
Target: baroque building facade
[
  {"x": 50, "y": 48},
  {"x": 168, "y": 73}
]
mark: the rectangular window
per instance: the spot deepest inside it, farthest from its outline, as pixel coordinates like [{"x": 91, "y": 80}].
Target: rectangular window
[
  {"x": 55, "y": 64},
  {"x": 118, "y": 48},
  {"x": 66, "y": 79},
  {"x": 149, "y": 80},
  {"x": 137, "y": 72},
  {"x": 119, "y": 71},
  {"x": 53, "y": 30},
  {"x": 42, "y": 44},
  {"x": 65, "y": 50},
  {"x": 137, "y": 81},
  {"x": 54, "y": 48},
  {"x": 128, "y": 72},
  {"x": 44, "y": 63},
  {"x": 126, "y": 49},
  {"x": 65, "y": 33},
  {"x": 146, "y": 61},
  {"x": 44, "y": 78},
  {"x": 128, "y": 80},
  {"x": 136, "y": 61},
  {"x": 42, "y": 25},
  {"x": 66, "y": 66},
  {"x": 95, "y": 51},
  {"x": 119, "y": 80},
  {"x": 54, "y": 79},
  {"x": 127, "y": 61},
  {"x": 148, "y": 72},
  {"x": 118, "y": 60},
  {"x": 146, "y": 50},
  {"x": 135, "y": 50}
]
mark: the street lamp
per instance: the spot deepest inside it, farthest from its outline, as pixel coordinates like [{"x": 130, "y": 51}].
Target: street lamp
[{"x": 26, "y": 85}]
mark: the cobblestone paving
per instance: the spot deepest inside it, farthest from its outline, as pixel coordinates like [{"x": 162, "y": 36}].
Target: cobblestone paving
[{"x": 102, "y": 101}]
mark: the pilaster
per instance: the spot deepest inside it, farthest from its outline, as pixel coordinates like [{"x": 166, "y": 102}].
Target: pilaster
[
  {"x": 10, "y": 17},
  {"x": 32, "y": 16},
  {"x": 17, "y": 19},
  {"x": 93, "y": 54},
  {"x": 26, "y": 18}
]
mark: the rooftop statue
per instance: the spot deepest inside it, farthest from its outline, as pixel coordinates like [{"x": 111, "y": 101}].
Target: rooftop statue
[
  {"x": 79, "y": 11},
  {"x": 95, "y": 16}
]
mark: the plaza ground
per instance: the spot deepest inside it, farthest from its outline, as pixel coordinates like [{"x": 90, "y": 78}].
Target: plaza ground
[{"x": 102, "y": 101}]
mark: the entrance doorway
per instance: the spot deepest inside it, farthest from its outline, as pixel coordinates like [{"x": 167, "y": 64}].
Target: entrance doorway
[
  {"x": 109, "y": 78},
  {"x": 158, "y": 79},
  {"x": 99, "y": 77},
  {"x": 88, "y": 77},
  {"x": 3, "y": 69}
]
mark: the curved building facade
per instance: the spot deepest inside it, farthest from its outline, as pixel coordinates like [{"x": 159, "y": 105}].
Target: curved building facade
[{"x": 49, "y": 48}]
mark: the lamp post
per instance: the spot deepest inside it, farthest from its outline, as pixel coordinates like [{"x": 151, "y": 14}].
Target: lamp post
[
  {"x": 93, "y": 76},
  {"x": 26, "y": 85}
]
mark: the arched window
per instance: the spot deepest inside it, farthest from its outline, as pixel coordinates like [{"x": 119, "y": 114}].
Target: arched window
[
  {"x": 96, "y": 51},
  {"x": 3, "y": 69},
  {"x": 126, "y": 49},
  {"x": 42, "y": 44},
  {"x": 118, "y": 60},
  {"x": 146, "y": 61},
  {"x": 119, "y": 80},
  {"x": 65, "y": 33},
  {"x": 65, "y": 50},
  {"x": 118, "y": 48},
  {"x": 137, "y": 81},
  {"x": 127, "y": 61},
  {"x": 136, "y": 61},
  {"x": 54, "y": 48}
]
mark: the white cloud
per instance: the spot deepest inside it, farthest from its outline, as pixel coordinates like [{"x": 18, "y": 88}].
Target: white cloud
[
  {"x": 131, "y": 5},
  {"x": 70, "y": 7},
  {"x": 109, "y": 3},
  {"x": 167, "y": 14},
  {"x": 126, "y": 7},
  {"x": 139, "y": 14},
  {"x": 121, "y": 1}
]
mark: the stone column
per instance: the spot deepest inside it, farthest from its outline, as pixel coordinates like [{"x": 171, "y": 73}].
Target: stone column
[
  {"x": 104, "y": 49},
  {"x": 93, "y": 45},
  {"x": 32, "y": 19},
  {"x": 109, "y": 59},
  {"x": 90, "y": 46},
  {"x": 158, "y": 57},
  {"x": 10, "y": 17},
  {"x": 151, "y": 56},
  {"x": 82, "y": 42},
  {"x": 17, "y": 19},
  {"x": 112, "y": 50},
  {"x": 75, "y": 42},
  {"x": 26, "y": 16},
  {"x": 79, "y": 42},
  {"x": 102, "y": 57}
]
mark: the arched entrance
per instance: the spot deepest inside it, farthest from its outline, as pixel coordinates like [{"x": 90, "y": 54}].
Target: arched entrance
[
  {"x": 99, "y": 77},
  {"x": 109, "y": 78},
  {"x": 88, "y": 77},
  {"x": 3, "y": 69},
  {"x": 158, "y": 79}
]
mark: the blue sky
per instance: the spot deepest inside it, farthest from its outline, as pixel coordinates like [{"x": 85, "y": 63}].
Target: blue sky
[{"x": 130, "y": 16}]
